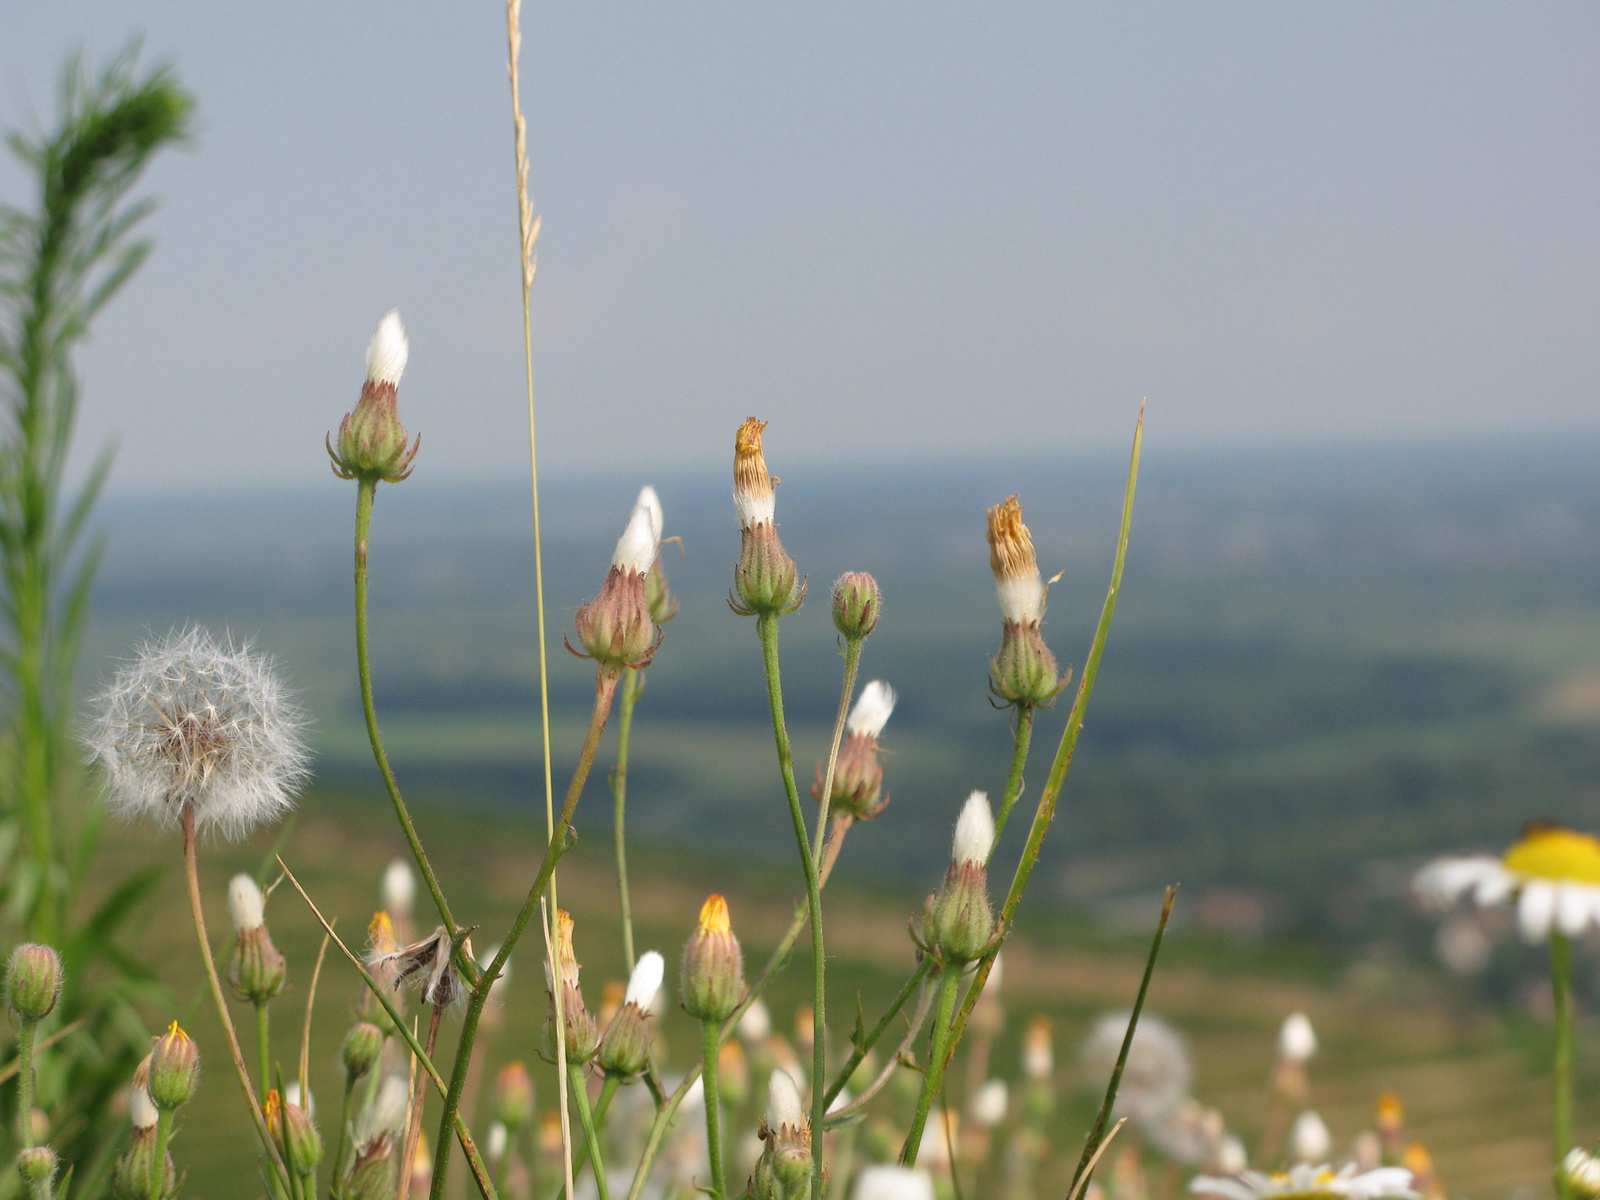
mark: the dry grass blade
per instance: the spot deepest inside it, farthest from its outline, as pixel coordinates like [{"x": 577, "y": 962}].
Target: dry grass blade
[
  {"x": 1077, "y": 1188},
  {"x": 305, "y": 1032}
]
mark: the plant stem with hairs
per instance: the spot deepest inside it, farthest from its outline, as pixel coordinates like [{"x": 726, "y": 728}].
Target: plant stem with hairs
[
  {"x": 197, "y": 914},
  {"x": 619, "y": 796},
  {"x": 26, "y": 1033},
  {"x": 163, "y": 1134},
  {"x": 938, "y": 1056},
  {"x": 865, "y": 1046},
  {"x": 591, "y": 1137},
  {"x": 852, "y": 662},
  {"x": 710, "y": 1045},
  {"x": 767, "y": 628},
  {"x": 605, "y": 691},
  {"x": 1022, "y": 738}
]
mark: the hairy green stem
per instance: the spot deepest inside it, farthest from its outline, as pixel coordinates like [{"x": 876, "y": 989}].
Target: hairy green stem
[
  {"x": 344, "y": 1124},
  {"x": 591, "y": 1137},
  {"x": 767, "y": 627},
  {"x": 26, "y": 1032},
  {"x": 710, "y": 1045},
  {"x": 859, "y": 1054},
  {"x": 1561, "y": 1066},
  {"x": 608, "y": 1089},
  {"x": 1046, "y": 811},
  {"x": 933, "y": 1077},
  {"x": 1023, "y": 736},
  {"x": 157, "y": 1173},
  {"x": 605, "y": 690},
  {"x": 365, "y": 491},
  {"x": 197, "y": 914},
  {"x": 852, "y": 662},
  {"x": 263, "y": 1047},
  {"x": 619, "y": 796}
]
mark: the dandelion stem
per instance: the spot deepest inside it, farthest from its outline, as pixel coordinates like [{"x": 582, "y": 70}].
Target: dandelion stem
[
  {"x": 192, "y": 870},
  {"x": 619, "y": 794},
  {"x": 852, "y": 661},
  {"x": 864, "y": 1048},
  {"x": 933, "y": 1077},
  {"x": 767, "y": 627},
  {"x": 711, "y": 1043},
  {"x": 365, "y": 491},
  {"x": 25, "y": 1041},
  {"x": 605, "y": 690},
  {"x": 1561, "y": 1067},
  {"x": 1046, "y": 811},
  {"x": 1019, "y": 758},
  {"x": 158, "y": 1163},
  {"x": 591, "y": 1138}
]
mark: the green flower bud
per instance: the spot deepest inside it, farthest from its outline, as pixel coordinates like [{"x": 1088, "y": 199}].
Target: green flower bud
[
  {"x": 292, "y": 1130},
  {"x": 856, "y": 605},
  {"x": 174, "y": 1069},
  {"x": 713, "y": 966},
  {"x": 36, "y": 1165},
  {"x": 783, "y": 1171},
  {"x": 257, "y": 971},
  {"x": 766, "y": 581},
  {"x": 362, "y": 1046},
  {"x": 130, "y": 1178},
  {"x": 616, "y": 628},
  {"x": 372, "y": 440},
  {"x": 625, "y": 1048},
  {"x": 1025, "y": 672},
  {"x": 513, "y": 1104},
  {"x": 958, "y": 921},
  {"x": 33, "y": 982},
  {"x": 374, "y": 1174}
]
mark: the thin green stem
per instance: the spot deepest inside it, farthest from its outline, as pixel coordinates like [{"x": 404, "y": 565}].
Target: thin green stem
[
  {"x": 158, "y": 1163},
  {"x": 26, "y": 1034},
  {"x": 767, "y": 627},
  {"x": 619, "y": 796},
  {"x": 263, "y": 1047},
  {"x": 852, "y": 662},
  {"x": 710, "y": 1045},
  {"x": 605, "y": 690},
  {"x": 608, "y": 1089},
  {"x": 1046, "y": 811},
  {"x": 1023, "y": 735},
  {"x": 365, "y": 491},
  {"x": 197, "y": 914},
  {"x": 1561, "y": 1067},
  {"x": 344, "y": 1124},
  {"x": 933, "y": 1077},
  {"x": 591, "y": 1137},
  {"x": 859, "y": 1054}
]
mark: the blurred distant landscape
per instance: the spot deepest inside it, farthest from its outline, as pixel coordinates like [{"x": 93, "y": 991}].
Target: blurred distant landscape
[{"x": 1324, "y": 665}]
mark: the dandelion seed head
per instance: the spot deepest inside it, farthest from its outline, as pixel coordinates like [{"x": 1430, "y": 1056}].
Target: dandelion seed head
[
  {"x": 399, "y": 888},
  {"x": 872, "y": 710},
  {"x": 645, "y": 982},
  {"x": 974, "y": 830},
  {"x": 245, "y": 905},
  {"x": 388, "y": 351},
  {"x": 193, "y": 724}
]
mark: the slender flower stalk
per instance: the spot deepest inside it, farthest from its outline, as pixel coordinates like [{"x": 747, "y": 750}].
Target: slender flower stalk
[
  {"x": 1022, "y": 740},
  {"x": 1561, "y": 1066},
  {"x": 631, "y": 687},
  {"x": 938, "y": 1053},
  {"x": 710, "y": 1051}
]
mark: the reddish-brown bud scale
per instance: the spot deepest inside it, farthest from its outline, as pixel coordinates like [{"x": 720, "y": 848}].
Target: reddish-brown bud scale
[
  {"x": 766, "y": 582},
  {"x": 857, "y": 779},
  {"x": 857, "y": 603},
  {"x": 616, "y": 628}
]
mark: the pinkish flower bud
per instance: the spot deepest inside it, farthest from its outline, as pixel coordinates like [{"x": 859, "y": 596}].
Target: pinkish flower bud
[
  {"x": 766, "y": 582},
  {"x": 513, "y": 1097},
  {"x": 37, "y": 1165},
  {"x": 33, "y": 982},
  {"x": 617, "y": 628},
  {"x": 582, "y": 1037},
  {"x": 958, "y": 921},
  {"x": 257, "y": 971},
  {"x": 713, "y": 965},
  {"x": 625, "y": 1048},
  {"x": 372, "y": 440},
  {"x": 174, "y": 1069},
  {"x": 856, "y": 605}
]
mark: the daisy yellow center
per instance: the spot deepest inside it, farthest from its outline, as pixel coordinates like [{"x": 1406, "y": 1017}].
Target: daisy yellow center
[{"x": 1556, "y": 855}]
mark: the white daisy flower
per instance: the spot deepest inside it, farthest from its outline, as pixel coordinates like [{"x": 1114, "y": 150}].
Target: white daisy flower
[
  {"x": 1552, "y": 875},
  {"x": 193, "y": 726},
  {"x": 1307, "y": 1182}
]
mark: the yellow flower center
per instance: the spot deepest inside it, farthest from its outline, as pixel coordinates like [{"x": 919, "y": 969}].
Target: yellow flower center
[
  {"x": 1547, "y": 852},
  {"x": 714, "y": 915}
]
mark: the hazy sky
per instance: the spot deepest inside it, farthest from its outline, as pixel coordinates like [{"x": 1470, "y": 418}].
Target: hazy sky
[{"x": 894, "y": 230}]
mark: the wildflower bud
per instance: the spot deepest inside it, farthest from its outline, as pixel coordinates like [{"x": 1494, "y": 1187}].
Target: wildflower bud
[
  {"x": 766, "y": 581},
  {"x": 713, "y": 966},
  {"x": 246, "y": 905},
  {"x": 385, "y": 1118},
  {"x": 1297, "y": 1040},
  {"x": 957, "y": 920},
  {"x": 130, "y": 1177},
  {"x": 398, "y": 890},
  {"x": 1024, "y": 672},
  {"x": 988, "y": 1106},
  {"x": 625, "y": 1048},
  {"x": 1309, "y": 1138},
  {"x": 373, "y": 1175},
  {"x": 362, "y": 1046},
  {"x": 893, "y": 1183},
  {"x": 617, "y": 628},
  {"x": 382, "y": 966},
  {"x": 513, "y": 1096},
  {"x": 33, "y": 982},
  {"x": 784, "y": 1168},
  {"x": 293, "y": 1130},
  {"x": 37, "y": 1165},
  {"x": 856, "y": 605},
  {"x": 858, "y": 771},
  {"x": 578, "y": 1027},
  {"x": 372, "y": 441},
  {"x": 1580, "y": 1172},
  {"x": 257, "y": 971},
  {"x": 756, "y": 1024},
  {"x": 174, "y": 1069}
]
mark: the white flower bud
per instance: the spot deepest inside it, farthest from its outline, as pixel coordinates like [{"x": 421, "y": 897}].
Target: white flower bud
[
  {"x": 1309, "y": 1138},
  {"x": 783, "y": 1102},
  {"x": 245, "y": 905},
  {"x": 893, "y": 1183},
  {"x": 756, "y": 1024},
  {"x": 386, "y": 1114},
  {"x": 974, "y": 831},
  {"x": 1297, "y": 1040},
  {"x": 291, "y": 1093},
  {"x": 636, "y": 549},
  {"x": 645, "y": 982},
  {"x": 388, "y": 350},
  {"x": 1232, "y": 1156},
  {"x": 399, "y": 889},
  {"x": 142, "y": 1110},
  {"x": 988, "y": 1107},
  {"x": 651, "y": 503},
  {"x": 871, "y": 712},
  {"x": 495, "y": 1144}
]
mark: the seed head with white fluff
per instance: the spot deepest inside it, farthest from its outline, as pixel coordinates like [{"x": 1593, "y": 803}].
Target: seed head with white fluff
[
  {"x": 399, "y": 889},
  {"x": 199, "y": 727},
  {"x": 388, "y": 351},
  {"x": 958, "y": 921},
  {"x": 245, "y": 904},
  {"x": 974, "y": 831},
  {"x": 872, "y": 709},
  {"x": 645, "y": 982},
  {"x": 889, "y": 1182}
]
